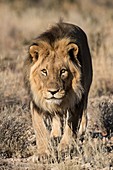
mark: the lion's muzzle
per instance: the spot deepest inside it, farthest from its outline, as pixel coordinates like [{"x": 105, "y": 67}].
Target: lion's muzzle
[{"x": 54, "y": 96}]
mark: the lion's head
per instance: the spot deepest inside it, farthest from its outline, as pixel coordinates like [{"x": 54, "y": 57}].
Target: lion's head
[{"x": 55, "y": 75}]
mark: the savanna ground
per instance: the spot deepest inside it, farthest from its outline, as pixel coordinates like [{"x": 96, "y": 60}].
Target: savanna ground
[{"x": 21, "y": 21}]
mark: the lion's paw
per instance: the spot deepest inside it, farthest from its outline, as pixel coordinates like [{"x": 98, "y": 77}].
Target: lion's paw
[
  {"x": 63, "y": 151},
  {"x": 43, "y": 158}
]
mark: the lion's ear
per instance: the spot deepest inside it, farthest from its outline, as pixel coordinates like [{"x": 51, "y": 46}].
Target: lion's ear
[
  {"x": 73, "y": 51},
  {"x": 33, "y": 50}
]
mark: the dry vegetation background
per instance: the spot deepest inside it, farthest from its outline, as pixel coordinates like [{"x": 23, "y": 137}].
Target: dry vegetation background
[{"x": 21, "y": 21}]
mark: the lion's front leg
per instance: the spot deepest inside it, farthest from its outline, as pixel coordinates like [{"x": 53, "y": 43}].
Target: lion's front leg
[
  {"x": 67, "y": 139},
  {"x": 42, "y": 135},
  {"x": 56, "y": 131}
]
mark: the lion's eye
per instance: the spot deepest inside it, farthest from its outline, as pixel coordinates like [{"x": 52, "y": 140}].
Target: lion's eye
[
  {"x": 64, "y": 73},
  {"x": 44, "y": 72}
]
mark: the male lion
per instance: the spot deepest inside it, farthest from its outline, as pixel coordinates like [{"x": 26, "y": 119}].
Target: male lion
[{"x": 58, "y": 75}]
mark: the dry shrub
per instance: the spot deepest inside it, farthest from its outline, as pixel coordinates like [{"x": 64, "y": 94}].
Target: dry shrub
[
  {"x": 100, "y": 115},
  {"x": 17, "y": 137}
]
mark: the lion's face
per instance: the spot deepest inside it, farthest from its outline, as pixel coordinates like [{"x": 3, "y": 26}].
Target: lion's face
[{"x": 55, "y": 75}]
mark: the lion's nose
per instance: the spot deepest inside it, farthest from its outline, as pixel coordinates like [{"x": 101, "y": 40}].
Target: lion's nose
[{"x": 53, "y": 91}]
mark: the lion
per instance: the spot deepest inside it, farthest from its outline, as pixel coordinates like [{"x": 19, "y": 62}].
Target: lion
[{"x": 58, "y": 76}]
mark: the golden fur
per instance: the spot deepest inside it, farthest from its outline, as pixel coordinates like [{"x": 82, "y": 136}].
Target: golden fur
[
  {"x": 58, "y": 75},
  {"x": 69, "y": 92}
]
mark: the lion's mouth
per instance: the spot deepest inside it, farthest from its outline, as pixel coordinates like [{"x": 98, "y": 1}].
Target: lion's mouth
[{"x": 54, "y": 100}]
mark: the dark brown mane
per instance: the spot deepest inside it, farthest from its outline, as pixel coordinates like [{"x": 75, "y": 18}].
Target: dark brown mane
[{"x": 62, "y": 30}]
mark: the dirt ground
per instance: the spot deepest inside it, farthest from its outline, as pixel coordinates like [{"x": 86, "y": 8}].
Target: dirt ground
[{"x": 20, "y": 22}]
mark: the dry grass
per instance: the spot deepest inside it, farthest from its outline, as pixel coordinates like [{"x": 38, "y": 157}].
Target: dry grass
[{"x": 19, "y": 23}]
